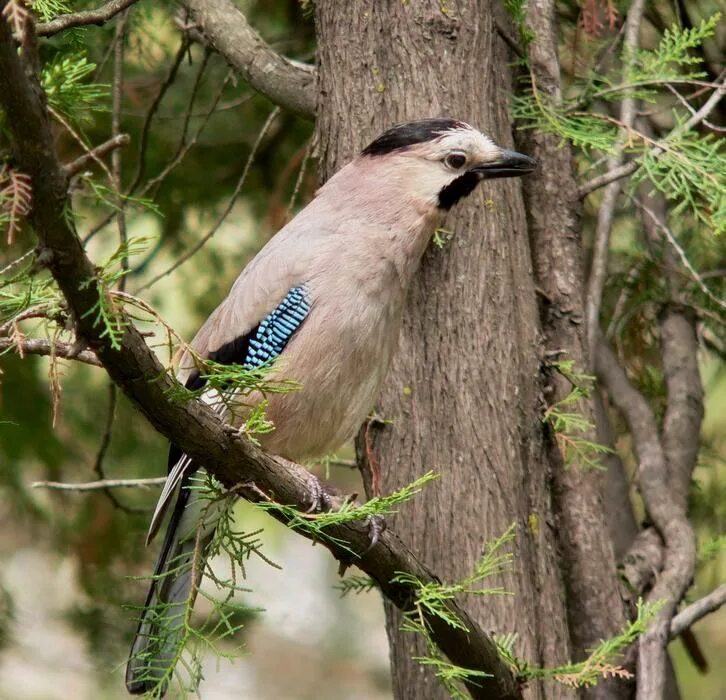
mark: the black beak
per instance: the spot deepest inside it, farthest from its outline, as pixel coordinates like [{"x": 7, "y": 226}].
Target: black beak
[{"x": 509, "y": 164}]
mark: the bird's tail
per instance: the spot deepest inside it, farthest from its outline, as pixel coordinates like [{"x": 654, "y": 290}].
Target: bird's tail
[{"x": 160, "y": 636}]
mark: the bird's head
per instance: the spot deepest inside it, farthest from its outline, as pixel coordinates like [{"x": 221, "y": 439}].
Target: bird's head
[{"x": 442, "y": 160}]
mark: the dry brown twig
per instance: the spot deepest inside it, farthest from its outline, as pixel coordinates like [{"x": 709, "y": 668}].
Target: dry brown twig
[
  {"x": 96, "y": 153},
  {"x": 16, "y": 197}
]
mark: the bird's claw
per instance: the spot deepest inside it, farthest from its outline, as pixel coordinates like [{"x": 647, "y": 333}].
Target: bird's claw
[
  {"x": 376, "y": 527},
  {"x": 319, "y": 498}
]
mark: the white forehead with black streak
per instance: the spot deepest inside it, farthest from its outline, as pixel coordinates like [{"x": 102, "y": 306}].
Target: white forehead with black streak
[
  {"x": 466, "y": 140},
  {"x": 432, "y": 137},
  {"x": 435, "y": 156}
]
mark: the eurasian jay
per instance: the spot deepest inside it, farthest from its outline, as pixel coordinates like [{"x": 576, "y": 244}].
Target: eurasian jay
[{"x": 325, "y": 295}]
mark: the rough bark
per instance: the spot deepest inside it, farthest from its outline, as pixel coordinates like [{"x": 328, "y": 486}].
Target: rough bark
[
  {"x": 462, "y": 394},
  {"x": 595, "y": 610}
]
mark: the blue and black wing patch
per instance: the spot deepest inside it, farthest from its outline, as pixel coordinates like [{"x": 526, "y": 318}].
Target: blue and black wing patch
[
  {"x": 276, "y": 329},
  {"x": 264, "y": 342}
]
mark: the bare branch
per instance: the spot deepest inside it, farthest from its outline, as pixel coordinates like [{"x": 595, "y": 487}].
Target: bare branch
[
  {"x": 192, "y": 426},
  {"x": 184, "y": 145},
  {"x": 286, "y": 83},
  {"x": 667, "y": 514},
  {"x": 15, "y": 263},
  {"x": 630, "y": 167},
  {"x": 116, "y": 104},
  {"x": 606, "y": 211},
  {"x": 40, "y": 346},
  {"x": 99, "y": 17},
  {"x": 684, "y": 407},
  {"x": 75, "y": 166},
  {"x": 79, "y": 139},
  {"x": 100, "y": 485},
  {"x": 641, "y": 564},
  {"x": 695, "y": 611}
]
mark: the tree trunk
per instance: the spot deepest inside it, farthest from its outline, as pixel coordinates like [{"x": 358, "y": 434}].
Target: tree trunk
[{"x": 463, "y": 392}]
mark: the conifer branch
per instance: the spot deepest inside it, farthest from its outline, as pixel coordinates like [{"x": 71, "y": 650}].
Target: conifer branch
[{"x": 630, "y": 167}]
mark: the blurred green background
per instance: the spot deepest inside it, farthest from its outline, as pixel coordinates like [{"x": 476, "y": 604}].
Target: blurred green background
[{"x": 69, "y": 558}]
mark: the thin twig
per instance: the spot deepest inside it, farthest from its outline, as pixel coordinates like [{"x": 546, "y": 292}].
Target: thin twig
[
  {"x": 14, "y": 263},
  {"x": 144, "y": 140},
  {"x": 679, "y": 250},
  {"x": 146, "y": 128},
  {"x": 606, "y": 211},
  {"x": 79, "y": 139},
  {"x": 99, "y": 17},
  {"x": 75, "y": 166},
  {"x": 100, "y": 485},
  {"x": 184, "y": 145},
  {"x": 230, "y": 204},
  {"x": 116, "y": 165},
  {"x": 40, "y": 346},
  {"x": 300, "y": 178},
  {"x": 695, "y": 611},
  {"x": 37, "y": 311}
]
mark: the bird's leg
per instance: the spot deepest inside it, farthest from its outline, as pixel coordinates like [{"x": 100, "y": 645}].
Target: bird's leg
[
  {"x": 320, "y": 500},
  {"x": 376, "y": 527}
]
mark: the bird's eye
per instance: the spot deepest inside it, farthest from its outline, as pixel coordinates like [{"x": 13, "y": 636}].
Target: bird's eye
[{"x": 455, "y": 160}]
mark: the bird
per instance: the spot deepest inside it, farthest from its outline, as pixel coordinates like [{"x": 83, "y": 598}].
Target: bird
[{"x": 322, "y": 301}]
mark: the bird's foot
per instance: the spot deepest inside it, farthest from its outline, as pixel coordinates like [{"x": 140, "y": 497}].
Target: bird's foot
[
  {"x": 320, "y": 500},
  {"x": 376, "y": 527}
]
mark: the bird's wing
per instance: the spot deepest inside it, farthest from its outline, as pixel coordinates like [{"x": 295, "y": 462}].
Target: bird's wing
[{"x": 278, "y": 305}]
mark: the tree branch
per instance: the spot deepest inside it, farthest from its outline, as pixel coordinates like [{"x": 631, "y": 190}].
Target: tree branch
[
  {"x": 75, "y": 166},
  {"x": 667, "y": 514},
  {"x": 684, "y": 407},
  {"x": 192, "y": 426},
  {"x": 39, "y": 346},
  {"x": 99, "y": 17},
  {"x": 695, "y": 611},
  {"x": 288, "y": 84},
  {"x": 100, "y": 485}
]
